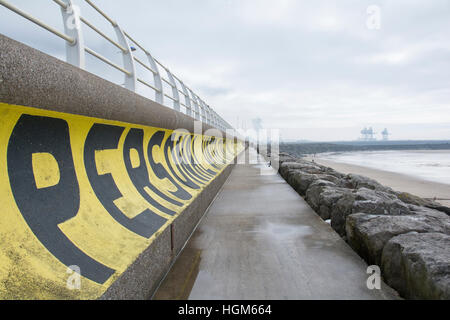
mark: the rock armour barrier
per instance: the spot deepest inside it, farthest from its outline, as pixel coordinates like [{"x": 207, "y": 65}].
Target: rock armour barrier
[{"x": 406, "y": 236}]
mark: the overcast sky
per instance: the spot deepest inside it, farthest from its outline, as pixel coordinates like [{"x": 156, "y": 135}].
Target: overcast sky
[{"x": 313, "y": 69}]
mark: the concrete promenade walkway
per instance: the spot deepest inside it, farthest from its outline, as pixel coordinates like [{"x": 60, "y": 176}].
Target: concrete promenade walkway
[{"x": 260, "y": 240}]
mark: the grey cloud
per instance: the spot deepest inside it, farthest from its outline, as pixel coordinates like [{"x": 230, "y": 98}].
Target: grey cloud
[{"x": 295, "y": 64}]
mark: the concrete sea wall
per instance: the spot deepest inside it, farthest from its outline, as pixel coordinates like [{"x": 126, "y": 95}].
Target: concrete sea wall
[{"x": 99, "y": 191}]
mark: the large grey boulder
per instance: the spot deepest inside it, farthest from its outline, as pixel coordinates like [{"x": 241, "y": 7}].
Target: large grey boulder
[
  {"x": 323, "y": 198},
  {"x": 379, "y": 206},
  {"x": 334, "y": 173},
  {"x": 341, "y": 210},
  {"x": 331, "y": 172},
  {"x": 412, "y": 199},
  {"x": 367, "y": 201},
  {"x": 328, "y": 177},
  {"x": 441, "y": 208},
  {"x": 286, "y": 168},
  {"x": 368, "y": 234},
  {"x": 285, "y": 157},
  {"x": 418, "y": 201},
  {"x": 313, "y": 193},
  {"x": 302, "y": 165},
  {"x": 364, "y": 193},
  {"x": 430, "y": 212},
  {"x": 355, "y": 181},
  {"x": 418, "y": 265},
  {"x": 301, "y": 181}
]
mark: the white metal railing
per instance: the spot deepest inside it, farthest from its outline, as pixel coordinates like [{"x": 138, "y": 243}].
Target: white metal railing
[{"x": 76, "y": 50}]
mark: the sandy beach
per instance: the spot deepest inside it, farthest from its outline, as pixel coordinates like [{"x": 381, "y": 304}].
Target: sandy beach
[{"x": 397, "y": 181}]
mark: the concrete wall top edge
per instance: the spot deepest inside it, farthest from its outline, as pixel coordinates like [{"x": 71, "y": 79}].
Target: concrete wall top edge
[{"x": 32, "y": 78}]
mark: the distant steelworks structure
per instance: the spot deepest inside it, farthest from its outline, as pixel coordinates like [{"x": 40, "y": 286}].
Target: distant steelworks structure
[{"x": 368, "y": 134}]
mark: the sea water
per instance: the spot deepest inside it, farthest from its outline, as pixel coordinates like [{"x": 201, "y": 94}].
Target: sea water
[{"x": 431, "y": 165}]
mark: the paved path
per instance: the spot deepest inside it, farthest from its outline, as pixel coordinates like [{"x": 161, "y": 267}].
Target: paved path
[{"x": 260, "y": 240}]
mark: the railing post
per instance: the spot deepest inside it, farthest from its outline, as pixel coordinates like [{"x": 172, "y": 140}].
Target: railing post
[
  {"x": 75, "y": 54},
  {"x": 159, "y": 96},
  {"x": 128, "y": 60},
  {"x": 209, "y": 113},
  {"x": 206, "y": 112},
  {"x": 216, "y": 123},
  {"x": 175, "y": 94},
  {"x": 187, "y": 99},
  {"x": 203, "y": 110},
  {"x": 196, "y": 106},
  {"x": 213, "y": 117}
]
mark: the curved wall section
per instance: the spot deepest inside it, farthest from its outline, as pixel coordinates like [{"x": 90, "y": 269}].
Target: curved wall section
[{"x": 95, "y": 208}]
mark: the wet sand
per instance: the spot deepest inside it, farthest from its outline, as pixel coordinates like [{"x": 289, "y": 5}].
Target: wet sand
[{"x": 397, "y": 181}]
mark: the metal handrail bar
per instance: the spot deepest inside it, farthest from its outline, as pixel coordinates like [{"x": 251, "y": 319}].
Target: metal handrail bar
[
  {"x": 38, "y": 22},
  {"x": 148, "y": 85},
  {"x": 167, "y": 81},
  {"x": 90, "y": 25},
  {"x": 106, "y": 60},
  {"x": 76, "y": 51},
  {"x": 144, "y": 65},
  {"x": 102, "y": 13},
  {"x": 171, "y": 98},
  {"x": 60, "y": 3}
]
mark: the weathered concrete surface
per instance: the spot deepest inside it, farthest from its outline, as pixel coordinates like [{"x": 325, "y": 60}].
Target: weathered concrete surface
[
  {"x": 59, "y": 211},
  {"x": 72, "y": 196},
  {"x": 260, "y": 240},
  {"x": 42, "y": 81}
]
